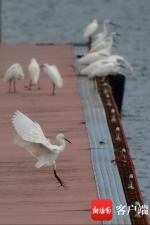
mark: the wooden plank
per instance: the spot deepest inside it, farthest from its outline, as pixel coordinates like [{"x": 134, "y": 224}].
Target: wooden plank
[{"x": 30, "y": 195}]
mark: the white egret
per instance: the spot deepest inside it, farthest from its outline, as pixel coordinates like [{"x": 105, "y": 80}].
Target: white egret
[
  {"x": 31, "y": 137},
  {"x": 100, "y": 45},
  {"x": 113, "y": 58},
  {"x": 90, "y": 68},
  {"x": 93, "y": 56},
  {"x": 91, "y": 28},
  {"x": 103, "y": 44},
  {"x": 111, "y": 68},
  {"x": 14, "y": 73},
  {"x": 34, "y": 73},
  {"x": 119, "y": 59},
  {"x": 54, "y": 75},
  {"x": 102, "y": 36}
]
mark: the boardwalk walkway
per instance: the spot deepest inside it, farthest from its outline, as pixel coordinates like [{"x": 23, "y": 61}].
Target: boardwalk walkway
[{"x": 28, "y": 195}]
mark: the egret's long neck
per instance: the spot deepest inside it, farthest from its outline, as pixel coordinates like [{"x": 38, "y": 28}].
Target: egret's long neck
[
  {"x": 104, "y": 31},
  {"x": 109, "y": 48},
  {"x": 62, "y": 145}
]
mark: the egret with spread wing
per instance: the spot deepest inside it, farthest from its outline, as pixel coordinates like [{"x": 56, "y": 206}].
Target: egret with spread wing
[{"x": 31, "y": 137}]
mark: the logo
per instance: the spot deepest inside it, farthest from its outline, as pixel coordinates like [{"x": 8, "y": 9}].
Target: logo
[{"x": 101, "y": 209}]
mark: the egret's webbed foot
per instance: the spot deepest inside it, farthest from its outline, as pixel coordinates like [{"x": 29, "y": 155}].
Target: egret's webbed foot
[{"x": 63, "y": 184}]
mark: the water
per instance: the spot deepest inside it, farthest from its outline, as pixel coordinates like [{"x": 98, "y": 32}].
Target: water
[{"x": 63, "y": 21}]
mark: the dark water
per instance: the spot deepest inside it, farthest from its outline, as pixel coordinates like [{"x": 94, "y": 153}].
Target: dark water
[{"x": 63, "y": 21}]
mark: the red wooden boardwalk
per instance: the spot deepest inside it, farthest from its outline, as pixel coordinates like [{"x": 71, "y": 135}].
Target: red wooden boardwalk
[{"x": 29, "y": 195}]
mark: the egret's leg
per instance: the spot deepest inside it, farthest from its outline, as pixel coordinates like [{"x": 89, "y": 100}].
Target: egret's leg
[
  {"x": 14, "y": 82},
  {"x": 9, "y": 86},
  {"x": 59, "y": 180},
  {"x": 39, "y": 85},
  {"x": 53, "y": 89},
  {"x": 30, "y": 84}
]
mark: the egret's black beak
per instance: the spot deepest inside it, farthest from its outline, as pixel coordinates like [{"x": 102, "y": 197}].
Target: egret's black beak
[
  {"x": 118, "y": 34},
  {"x": 112, "y": 23},
  {"x": 104, "y": 55},
  {"x": 122, "y": 66},
  {"x": 41, "y": 66},
  {"x": 67, "y": 140}
]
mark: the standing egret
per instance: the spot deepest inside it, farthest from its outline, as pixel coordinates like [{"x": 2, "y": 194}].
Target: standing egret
[
  {"x": 14, "y": 73},
  {"x": 90, "y": 29},
  {"x": 34, "y": 73},
  {"x": 54, "y": 75},
  {"x": 31, "y": 137}
]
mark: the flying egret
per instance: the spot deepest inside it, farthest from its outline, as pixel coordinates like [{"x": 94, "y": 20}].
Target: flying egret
[
  {"x": 31, "y": 137},
  {"x": 14, "y": 73},
  {"x": 34, "y": 73},
  {"x": 54, "y": 75},
  {"x": 113, "y": 58},
  {"x": 93, "y": 56},
  {"x": 90, "y": 29}
]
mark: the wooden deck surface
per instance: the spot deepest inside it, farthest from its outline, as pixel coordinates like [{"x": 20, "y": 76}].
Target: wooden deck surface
[{"x": 29, "y": 195}]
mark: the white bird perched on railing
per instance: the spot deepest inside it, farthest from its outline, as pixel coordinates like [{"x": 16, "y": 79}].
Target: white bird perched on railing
[
  {"x": 111, "y": 68},
  {"x": 121, "y": 60},
  {"x": 102, "y": 36},
  {"x": 34, "y": 73},
  {"x": 90, "y": 29},
  {"x": 100, "y": 45},
  {"x": 54, "y": 75},
  {"x": 14, "y": 73},
  {"x": 113, "y": 58},
  {"x": 31, "y": 137},
  {"x": 93, "y": 56}
]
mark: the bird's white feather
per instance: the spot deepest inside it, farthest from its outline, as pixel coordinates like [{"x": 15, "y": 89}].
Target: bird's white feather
[
  {"x": 34, "y": 71},
  {"x": 110, "y": 68},
  {"x": 53, "y": 74},
  {"x": 43, "y": 154},
  {"x": 29, "y": 130},
  {"x": 91, "y": 28},
  {"x": 14, "y": 72}
]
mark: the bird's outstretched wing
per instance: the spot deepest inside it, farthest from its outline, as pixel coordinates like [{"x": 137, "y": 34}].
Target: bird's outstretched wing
[
  {"x": 37, "y": 150},
  {"x": 29, "y": 130},
  {"x": 124, "y": 63}
]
